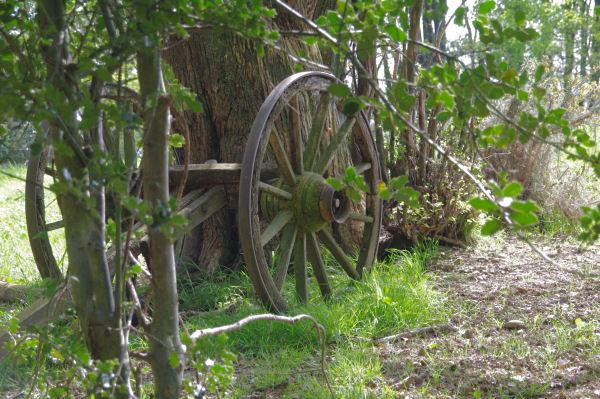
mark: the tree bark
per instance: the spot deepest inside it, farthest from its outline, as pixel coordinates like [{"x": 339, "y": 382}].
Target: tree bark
[
  {"x": 84, "y": 223},
  {"x": 231, "y": 80},
  {"x": 164, "y": 331},
  {"x": 595, "y": 45}
]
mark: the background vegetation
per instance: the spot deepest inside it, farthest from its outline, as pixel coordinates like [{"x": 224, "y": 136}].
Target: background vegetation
[{"x": 496, "y": 127}]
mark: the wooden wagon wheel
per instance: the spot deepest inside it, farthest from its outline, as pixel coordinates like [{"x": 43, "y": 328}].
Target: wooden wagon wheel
[
  {"x": 35, "y": 215},
  {"x": 292, "y": 218}
]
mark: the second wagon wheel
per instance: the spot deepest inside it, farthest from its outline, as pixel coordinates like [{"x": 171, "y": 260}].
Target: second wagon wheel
[
  {"x": 35, "y": 214},
  {"x": 292, "y": 219}
]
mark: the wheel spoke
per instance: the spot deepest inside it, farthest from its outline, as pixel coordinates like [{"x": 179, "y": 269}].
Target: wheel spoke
[
  {"x": 276, "y": 191},
  {"x": 295, "y": 135},
  {"x": 300, "y": 267},
  {"x": 284, "y": 254},
  {"x": 282, "y": 159},
  {"x": 327, "y": 156},
  {"x": 360, "y": 218},
  {"x": 338, "y": 253},
  {"x": 314, "y": 254},
  {"x": 316, "y": 131},
  {"x": 278, "y": 222}
]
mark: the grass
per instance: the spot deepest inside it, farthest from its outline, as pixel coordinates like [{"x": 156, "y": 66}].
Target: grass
[
  {"x": 276, "y": 357},
  {"x": 16, "y": 263},
  {"x": 395, "y": 296}
]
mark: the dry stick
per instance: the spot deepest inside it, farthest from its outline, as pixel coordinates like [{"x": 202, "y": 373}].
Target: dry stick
[
  {"x": 137, "y": 304},
  {"x": 415, "y": 332},
  {"x": 271, "y": 317},
  {"x": 449, "y": 241},
  {"x": 145, "y": 271}
]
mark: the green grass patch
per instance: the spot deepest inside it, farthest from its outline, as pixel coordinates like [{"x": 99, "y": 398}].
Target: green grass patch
[
  {"x": 16, "y": 263},
  {"x": 282, "y": 358}
]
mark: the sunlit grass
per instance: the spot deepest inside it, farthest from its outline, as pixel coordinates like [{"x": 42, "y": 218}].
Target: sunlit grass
[
  {"x": 395, "y": 296},
  {"x": 16, "y": 263}
]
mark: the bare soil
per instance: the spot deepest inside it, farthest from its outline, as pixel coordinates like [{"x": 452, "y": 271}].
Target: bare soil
[{"x": 524, "y": 327}]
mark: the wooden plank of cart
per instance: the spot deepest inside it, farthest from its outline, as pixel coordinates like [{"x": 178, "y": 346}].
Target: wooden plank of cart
[{"x": 289, "y": 217}]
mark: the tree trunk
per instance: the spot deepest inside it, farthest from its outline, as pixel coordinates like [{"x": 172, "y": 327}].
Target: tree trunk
[
  {"x": 231, "y": 80},
  {"x": 164, "y": 339},
  {"x": 82, "y": 204},
  {"x": 595, "y": 39},
  {"x": 583, "y": 35},
  {"x": 569, "y": 48}
]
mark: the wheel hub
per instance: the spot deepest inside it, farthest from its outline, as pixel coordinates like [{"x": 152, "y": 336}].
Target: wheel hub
[{"x": 314, "y": 202}]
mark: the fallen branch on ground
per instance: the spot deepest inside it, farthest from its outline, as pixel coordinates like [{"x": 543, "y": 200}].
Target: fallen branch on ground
[
  {"x": 415, "y": 332},
  {"x": 270, "y": 317}
]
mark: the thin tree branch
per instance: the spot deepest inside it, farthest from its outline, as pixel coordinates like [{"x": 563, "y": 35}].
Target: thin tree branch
[
  {"x": 271, "y": 317},
  {"x": 14, "y": 47}
]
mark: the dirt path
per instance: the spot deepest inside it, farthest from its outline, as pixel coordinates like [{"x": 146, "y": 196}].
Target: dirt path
[{"x": 550, "y": 349}]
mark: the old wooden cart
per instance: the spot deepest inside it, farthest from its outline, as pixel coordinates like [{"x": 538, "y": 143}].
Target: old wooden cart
[{"x": 288, "y": 214}]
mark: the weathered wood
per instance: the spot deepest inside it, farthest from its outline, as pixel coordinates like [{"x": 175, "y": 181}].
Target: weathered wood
[
  {"x": 202, "y": 175},
  {"x": 37, "y": 315},
  {"x": 13, "y": 292},
  {"x": 206, "y": 173},
  {"x": 203, "y": 207}
]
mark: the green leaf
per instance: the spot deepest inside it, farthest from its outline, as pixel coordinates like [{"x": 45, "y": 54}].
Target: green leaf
[
  {"x": 178, "y": 220},
  {"x": 174, "y": 360},
  {"x": 527, "y": 206},
  {"x": 524, "y": 218},
  {"x": 519, "y": 17},
  {"x": 350, "y": 174},
  {"x": 486, "y": 7},
  {"x": 539, "y": 72},
  {"x": 193, "y": 105},
  {"x": 398, "y": 182},
  {"x": 136, "y": 269},
  {"x": 523, "y": 95},
  {"x": 447, "y": 99},
  {"x": 35, "y": 148},
  {"x": 539, "y": 92},
  {"x": 352, "y": 106},
  {"x": 395, "y": 33},
  {"x": 14, "y": 325},
  {"x": 336, "y": 184},
  {"x": 490, "y": 227},
  {"x": 509, "y": 75},
  {"x": 385, "y": 194},
  {"x": 338, "y": 90},
  {"x": 104, "y": 74},
  {"x": 444, "y": 116},
  {"x": 483, "y": 204},
  {"x": 176, "y": 140},
  {"x": 353, "y": 194},
  {"x": 512, "y": 189},
  {"x": 361, "y": 184}
]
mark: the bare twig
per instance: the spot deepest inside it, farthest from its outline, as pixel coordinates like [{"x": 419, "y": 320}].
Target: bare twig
[
  {"x": 271, "y": 317},
  {"x": 137, "y": 304}
]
